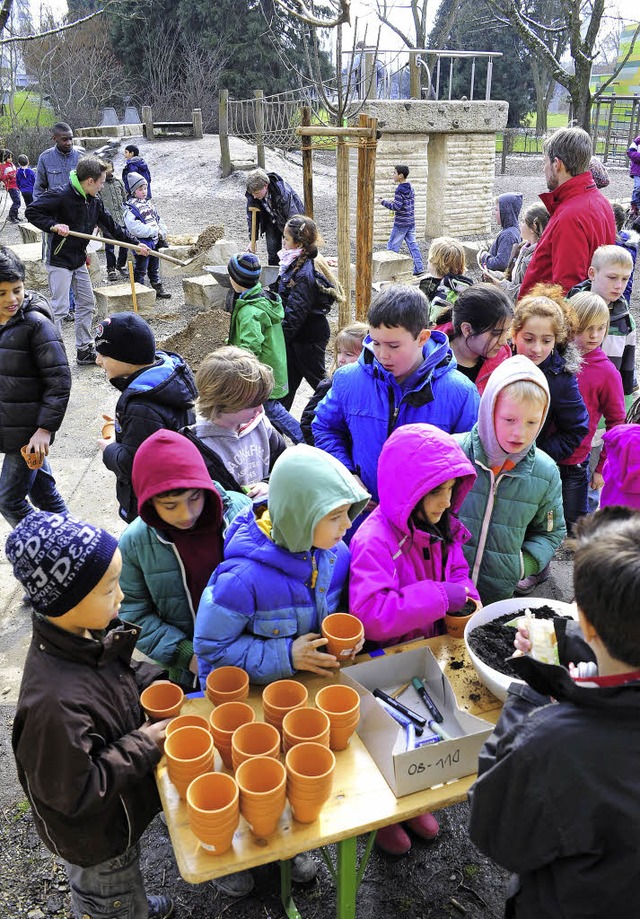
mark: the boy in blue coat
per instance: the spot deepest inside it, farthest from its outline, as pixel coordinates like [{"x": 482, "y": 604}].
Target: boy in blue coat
[
  {"x": 170, "y": 551},
  {"x": 404, "y": 223},
  {"x": 284, "y": 570},
  {"x": 405, "y": 374}
]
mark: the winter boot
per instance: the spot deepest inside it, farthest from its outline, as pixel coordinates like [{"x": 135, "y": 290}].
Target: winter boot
[{"x": 161, "y": 293}]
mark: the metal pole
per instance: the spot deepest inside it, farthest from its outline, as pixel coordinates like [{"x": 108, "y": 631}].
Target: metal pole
[
  {"x": 473, "y": 77},
  {"x": 487, "y": 94},
  {"x": 450, "y": 77}
]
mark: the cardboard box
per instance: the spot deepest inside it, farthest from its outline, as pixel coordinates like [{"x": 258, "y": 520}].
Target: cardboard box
[{"x": 407, "y": 771}]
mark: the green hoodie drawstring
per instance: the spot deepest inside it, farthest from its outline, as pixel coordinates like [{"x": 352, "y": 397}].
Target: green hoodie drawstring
[{"x": 73, "y": 178}]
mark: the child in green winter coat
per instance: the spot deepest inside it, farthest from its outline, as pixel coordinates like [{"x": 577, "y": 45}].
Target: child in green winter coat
[{"x": 256, "y": 326}]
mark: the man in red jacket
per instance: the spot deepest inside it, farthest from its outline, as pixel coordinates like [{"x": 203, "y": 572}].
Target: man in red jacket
[{"x": 581, "y": 217}]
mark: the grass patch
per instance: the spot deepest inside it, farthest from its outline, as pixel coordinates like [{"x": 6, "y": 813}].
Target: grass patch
[
  {"x": 26, "y": 106},
  {"x": 22, "y": 808}
]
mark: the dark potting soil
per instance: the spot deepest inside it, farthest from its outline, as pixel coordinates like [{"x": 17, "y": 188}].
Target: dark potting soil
[{"x": 493, "y": 642}]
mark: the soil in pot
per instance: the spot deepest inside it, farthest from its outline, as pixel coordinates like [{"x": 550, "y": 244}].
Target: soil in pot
[{"x": 493, "y": 642}]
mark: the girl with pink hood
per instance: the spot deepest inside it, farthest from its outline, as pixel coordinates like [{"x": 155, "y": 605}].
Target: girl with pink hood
[{"x": 407, "y": 564}]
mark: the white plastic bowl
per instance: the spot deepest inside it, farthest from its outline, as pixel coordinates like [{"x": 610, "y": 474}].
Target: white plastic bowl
[{"x": 496, "y": 682}]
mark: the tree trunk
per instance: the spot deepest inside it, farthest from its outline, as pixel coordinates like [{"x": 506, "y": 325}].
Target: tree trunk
[{"x": 581, "y": 96}]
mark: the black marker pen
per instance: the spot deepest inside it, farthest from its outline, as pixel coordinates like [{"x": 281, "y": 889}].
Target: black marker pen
[
  {"x": 399, "y": 707},
  {"x": 421, "y": 689}
]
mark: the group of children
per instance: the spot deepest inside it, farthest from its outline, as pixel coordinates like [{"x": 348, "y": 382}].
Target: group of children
[
  {"x": 18, "y": 181},
  {"x": 234, "y": 553}
]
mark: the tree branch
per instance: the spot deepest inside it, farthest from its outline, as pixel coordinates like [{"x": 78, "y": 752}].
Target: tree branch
[
  {"x": 56, "y": 31},
  {"x": 619, "y": 67},
  {"x": 344, "y": 16}
]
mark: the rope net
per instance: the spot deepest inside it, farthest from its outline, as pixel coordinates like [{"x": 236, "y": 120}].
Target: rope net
[{"x": 281, "y": 117}]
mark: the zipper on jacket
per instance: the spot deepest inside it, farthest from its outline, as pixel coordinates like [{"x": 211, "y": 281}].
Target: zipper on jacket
[{"x": 393, "y": 411}]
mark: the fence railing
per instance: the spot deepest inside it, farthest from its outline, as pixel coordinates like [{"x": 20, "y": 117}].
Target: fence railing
[{"x": 421, "y": 73}]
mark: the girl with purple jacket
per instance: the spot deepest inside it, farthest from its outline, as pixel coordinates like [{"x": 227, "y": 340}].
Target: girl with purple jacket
[{"x": 407, "y": 564}]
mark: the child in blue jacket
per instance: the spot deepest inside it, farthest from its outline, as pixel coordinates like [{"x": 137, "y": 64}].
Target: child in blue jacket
[
  {"x": 405, "y": 374},
  {"x": 284, "y": 570},
  {"x": 508, "y": 209},
  {"x": 404, "y": 223}
]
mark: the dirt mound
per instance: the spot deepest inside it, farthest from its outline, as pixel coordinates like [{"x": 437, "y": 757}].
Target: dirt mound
[{"x": 206, "y": 239}]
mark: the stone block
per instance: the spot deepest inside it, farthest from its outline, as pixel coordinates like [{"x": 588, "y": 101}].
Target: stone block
[
  {"x": 29, "y": 233},
  {"x": 109, "y": 117},
  {"x": 460, "y": 192},
  {"x": 131, "y": 115},
  {"x": 116, "y": 298},
  {"x": 95, "y": 143},
  {"x": 204, "y": 292},
  {"x": 391, "y": 266},
  {"x": 35, "y": 271},
  {"x": 427, "y": 116}
]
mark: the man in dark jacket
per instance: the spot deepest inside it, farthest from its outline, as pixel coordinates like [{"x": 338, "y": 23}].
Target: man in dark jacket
[
  {"x": 277, "y": 201},
  {"x": 76, "y": 207},
  {"x": 35, "y": 383},
  {"x": 84, "y": 752},
  {"x": 158, "y": 391}
]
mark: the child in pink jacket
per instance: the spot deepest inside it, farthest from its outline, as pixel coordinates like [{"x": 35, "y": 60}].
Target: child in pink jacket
[{"x": 407, "y": 564}]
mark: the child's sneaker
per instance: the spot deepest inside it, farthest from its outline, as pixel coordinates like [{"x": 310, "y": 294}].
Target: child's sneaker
[
  {"x": 425, "y": 826},
  {"x": 160, "y": 907},
  {"x": 526, "y": 585},
  {"x": 86, "y": 355},
  {"x": 113, "y": 275},
  {"x": 303, "y": 868},
  {"x": 235, "y": 885},
  {"x": 71, "y": 316},
  {"x": 124, "y": 272},
  {"x": 393, "y": 839}
]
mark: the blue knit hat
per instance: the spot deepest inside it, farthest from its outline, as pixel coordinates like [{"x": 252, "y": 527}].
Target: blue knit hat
[
  {"x": 245, "y": 269},
  {"x": 58, "y": 559}
]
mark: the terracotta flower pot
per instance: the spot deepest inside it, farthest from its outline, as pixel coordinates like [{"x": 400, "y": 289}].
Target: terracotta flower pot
[
  {"x": 161, "y": 700},
  {"x": 224, "y": 720},
  {"x": 343, "y": 632},
  {"x": 455, "y": 624},
  {"x": 189, "y": 752},
  {"x": 185, "y": 721},
  {"x": 254, "y": 739},
  {"x": 213, "y": 810},
  {"x": 227, "y": 684},
  {"x": 341, "y": 704},
  {"x": 280, "y": 697},
  {"x": 262, "y": 781},
  {"x": 33, "y": 460},
  {"x": 305, "y": 725},
  {"x": 310, "y": 768}
]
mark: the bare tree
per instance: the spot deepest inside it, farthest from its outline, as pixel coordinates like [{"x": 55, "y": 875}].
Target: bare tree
[
  {"x": 76, "y": 71},
  {"x": 582, "y": 22}
]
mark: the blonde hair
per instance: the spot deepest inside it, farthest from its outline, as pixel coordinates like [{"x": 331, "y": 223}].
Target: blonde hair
[
  {"x": 349, "y": 337},
  {"x": 590, "y": 309},
  {"x": 611, "y": 255},
  {"x": 546, "y": 301},
  {"x": 525, "y": 391},
  {"x": 231, "y": 379},
  {"x": 447, "y": 256}
]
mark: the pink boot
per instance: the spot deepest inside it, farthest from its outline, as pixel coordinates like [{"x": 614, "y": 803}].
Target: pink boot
[
  {"x": 393, "y": 839},
  {"x": 425, "y": 826}
]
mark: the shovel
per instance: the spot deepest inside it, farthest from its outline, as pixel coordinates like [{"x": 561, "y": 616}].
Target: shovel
[{"x": 134, "y": 246}]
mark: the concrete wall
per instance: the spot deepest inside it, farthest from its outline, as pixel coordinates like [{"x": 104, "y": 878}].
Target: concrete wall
[{"x": 450, "y": 150}]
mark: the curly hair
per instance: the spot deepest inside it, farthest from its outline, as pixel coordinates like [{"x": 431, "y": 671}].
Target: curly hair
[{"x": 547, "y": 301}]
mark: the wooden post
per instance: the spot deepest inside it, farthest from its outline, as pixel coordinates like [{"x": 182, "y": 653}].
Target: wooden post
[
  {"x": 147, "y": 122},
  {"x": 196, "y": 118},
  {"x": 364, "y": 218},
  {"x": 223, "y": 132},
  {"x": 307, "y": 163},
  {"x": 414, "y": 76},
  {"x": 259, "y": 96},
  {"x": 344, "y": 244}
]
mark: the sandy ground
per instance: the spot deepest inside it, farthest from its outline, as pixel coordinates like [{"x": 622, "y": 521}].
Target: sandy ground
[{"x": 191, "y": 195}]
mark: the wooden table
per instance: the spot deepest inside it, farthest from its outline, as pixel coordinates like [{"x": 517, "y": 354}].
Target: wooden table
[{"x": 361, "y": 800}]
